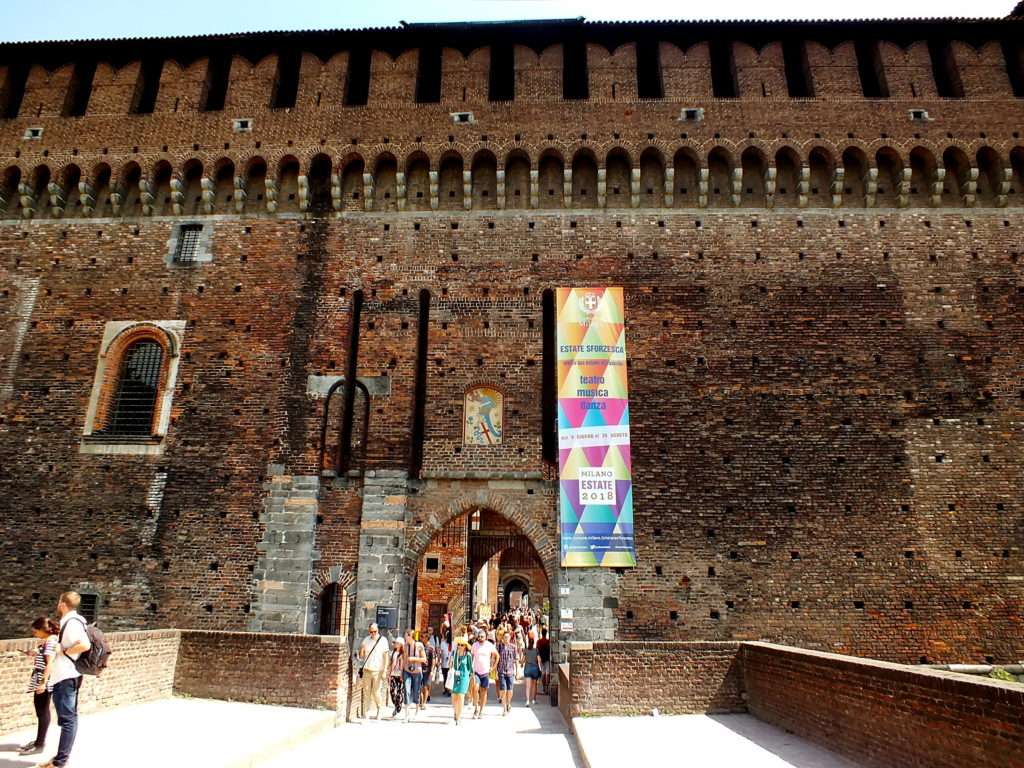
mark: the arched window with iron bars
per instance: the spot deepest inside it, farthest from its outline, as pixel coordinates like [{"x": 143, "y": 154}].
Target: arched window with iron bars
[{"x": 133, "y": 407}]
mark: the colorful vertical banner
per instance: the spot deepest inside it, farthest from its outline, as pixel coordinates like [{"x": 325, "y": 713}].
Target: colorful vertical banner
[{"x": 593, "y": 430}]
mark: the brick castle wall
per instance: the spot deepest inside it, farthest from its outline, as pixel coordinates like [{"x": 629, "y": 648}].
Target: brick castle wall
[
  {"x": 627, "y": 678},
  {"x": 883, "y": 714},
  {"x": 824, "y": 400}
]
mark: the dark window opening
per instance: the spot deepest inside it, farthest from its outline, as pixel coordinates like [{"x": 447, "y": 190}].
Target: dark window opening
[
  {"x": 432, "y": 564},
  {"x": 945, "y": 70},
  {"x": 649, "y": 84},
  {"x": 134, "y": 405},
  {"x": 799, "y": 81},
  {"x": 502, "y": 85},
  {"x": 723, "y": 70},
  {"x": 286, "y": 81},
  {"x": 187, "y": 251},
  {"x": 575, "y": 78},
  {"x": 419, "y": 408},
  {"x": 357, "y": 79},
  {"x": 332, "y": 608},
  {"x": 14, "y": 90},
  {"x": 89, "y": 607},
  {"x": 76, "y": 102},
  {"x": 1013, "y": 52},
  {"x": 873, "y": 82},
  {"x": 147, "y": 86},
  {"x": 428, "y": 76},
  {"x": 215, "y": 86},
  {"x": 548, "y": 403},
  {"x": 351, "y": 371}
]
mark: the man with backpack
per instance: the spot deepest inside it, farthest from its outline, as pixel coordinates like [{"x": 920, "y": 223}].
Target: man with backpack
[{"x": 73, "y": 641}]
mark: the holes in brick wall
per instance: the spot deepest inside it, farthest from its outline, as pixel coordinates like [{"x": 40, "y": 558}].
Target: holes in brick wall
[
  {"x": 714, "y": 615},
  {"x": 711, "y": 571},
  {"x": 908, "y": 605}
]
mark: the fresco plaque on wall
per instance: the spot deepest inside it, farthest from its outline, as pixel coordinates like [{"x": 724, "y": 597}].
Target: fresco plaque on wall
[{"x": 482, "y": 419}]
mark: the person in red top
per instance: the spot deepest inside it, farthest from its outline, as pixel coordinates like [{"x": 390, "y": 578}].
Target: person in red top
[{"x": 544, "y": 653}]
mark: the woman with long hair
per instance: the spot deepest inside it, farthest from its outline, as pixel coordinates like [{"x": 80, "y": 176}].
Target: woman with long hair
[
  {"x": 46, "y": 631},
  {"x": 531, "y": 670},
  {"x": 396, "y": 687}
]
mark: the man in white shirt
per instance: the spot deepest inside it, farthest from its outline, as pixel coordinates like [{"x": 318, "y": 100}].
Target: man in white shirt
[
  {"x": 66, "y": 680},
  {"x": 373, "y": 652}
]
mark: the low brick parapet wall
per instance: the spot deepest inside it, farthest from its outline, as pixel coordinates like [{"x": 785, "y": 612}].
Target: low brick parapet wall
[
  {"x": 141, "y": 669},
  {"x": 884, "y": 714},
  {"x": 632, "y": 678},
  {"x": 310, "y": 671}
]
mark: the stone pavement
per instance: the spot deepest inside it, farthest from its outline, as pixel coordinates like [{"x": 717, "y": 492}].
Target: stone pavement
[
  {"x": 536, "y": 736},
  {"x": 699, "y": 741},
  {"x": 177, "y": 732}
]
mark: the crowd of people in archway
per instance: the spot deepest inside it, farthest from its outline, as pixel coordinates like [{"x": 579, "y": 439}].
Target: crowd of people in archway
[{"x": 461, "y": 663}]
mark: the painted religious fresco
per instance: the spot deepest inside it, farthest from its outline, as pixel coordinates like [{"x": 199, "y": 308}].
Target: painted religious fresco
[{"x": 482, "y": 423}]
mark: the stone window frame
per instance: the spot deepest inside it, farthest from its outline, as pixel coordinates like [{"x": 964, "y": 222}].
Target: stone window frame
[
  {"x": 204, "y": 251},
  {"x": 118, "y": 337},
  {"x": 432, "y": 556}
]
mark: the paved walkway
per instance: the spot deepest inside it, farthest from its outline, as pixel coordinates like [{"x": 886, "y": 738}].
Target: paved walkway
[
  {"x": 536, "y": 735},
  {"x": 699, "y": 741},
  {"x": 170, "y": 733}
]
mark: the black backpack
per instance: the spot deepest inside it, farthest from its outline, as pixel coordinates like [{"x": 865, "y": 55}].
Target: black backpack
[{"x": 93, "y": 661}]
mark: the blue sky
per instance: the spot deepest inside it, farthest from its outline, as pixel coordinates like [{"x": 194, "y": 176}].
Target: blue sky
[{"x": 74, "y": 19}]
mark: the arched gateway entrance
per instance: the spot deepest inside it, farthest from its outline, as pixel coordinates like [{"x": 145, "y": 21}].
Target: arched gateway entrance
[
  {"x": 462, "y": 558},
  {"x": 478, "y": 566}
]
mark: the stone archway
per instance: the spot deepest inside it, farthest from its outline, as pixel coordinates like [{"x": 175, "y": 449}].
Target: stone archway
[{"x": 534, "y": 528}]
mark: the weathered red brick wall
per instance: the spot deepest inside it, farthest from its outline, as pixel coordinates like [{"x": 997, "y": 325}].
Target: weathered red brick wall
[
  {"x": 289, "y": 670},
  {"x": 824, "y": 402},
  {"x": 141, "y": 668},
  {"x": 882, "y": 714},
  {"x": 309, "y": 671},
  {"x": 629, "y": 678}
]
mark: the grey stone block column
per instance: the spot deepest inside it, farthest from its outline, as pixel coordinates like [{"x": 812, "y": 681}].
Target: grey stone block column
[
  {"x": 592, "y": 594},
  {"x": 287, "y": 554},
  {"x": 380, "y": 578}
]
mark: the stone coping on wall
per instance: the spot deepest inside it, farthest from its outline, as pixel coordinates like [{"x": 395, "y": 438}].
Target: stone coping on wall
[{"x": 942, "y": 679}]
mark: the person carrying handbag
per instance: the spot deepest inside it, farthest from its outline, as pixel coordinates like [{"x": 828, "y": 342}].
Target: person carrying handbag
[{"x": 373, "y": 652}]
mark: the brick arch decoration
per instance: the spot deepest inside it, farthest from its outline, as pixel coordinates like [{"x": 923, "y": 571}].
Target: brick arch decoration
[
  {"x": 336, "y": 574},
  {"x": 433, "y": 522}
]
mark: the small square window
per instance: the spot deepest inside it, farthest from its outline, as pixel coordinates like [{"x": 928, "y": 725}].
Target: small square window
[
  {"x": 89, "y": 607},
  {"x": 432, "y": 564},
  {"x": 189, "y": 237}
]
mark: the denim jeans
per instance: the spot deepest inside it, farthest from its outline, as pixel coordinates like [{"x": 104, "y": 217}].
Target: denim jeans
[
  {"x": 65, "y": 701},
  {"x": 413, "y": 681}
]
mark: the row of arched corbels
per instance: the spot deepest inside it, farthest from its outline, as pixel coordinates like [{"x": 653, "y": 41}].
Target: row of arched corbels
[{"x": 754, "y": 174}]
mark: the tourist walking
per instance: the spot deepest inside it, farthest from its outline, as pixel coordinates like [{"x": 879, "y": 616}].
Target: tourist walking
[
  {"x": 395, "y": 684},
  {"x": 462, "y": 669},
  {"x": 531, "y": 670},
  {"x": 415, "y": 658},
  {"x": 45, "y": 630},
  {"x": 544, "y": 654},
  {"x": 428, "y": 671},
  {"x": 444, "y": 652},
  {"x": 485, "y": 661},
  {"x": 373, "y": 652},
  {"x": 508, "y": 658},
  {"x": 72, "y": 642}
]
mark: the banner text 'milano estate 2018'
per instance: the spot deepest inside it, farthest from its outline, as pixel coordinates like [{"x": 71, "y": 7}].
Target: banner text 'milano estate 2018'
[{"x": 593, "y": 430}]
